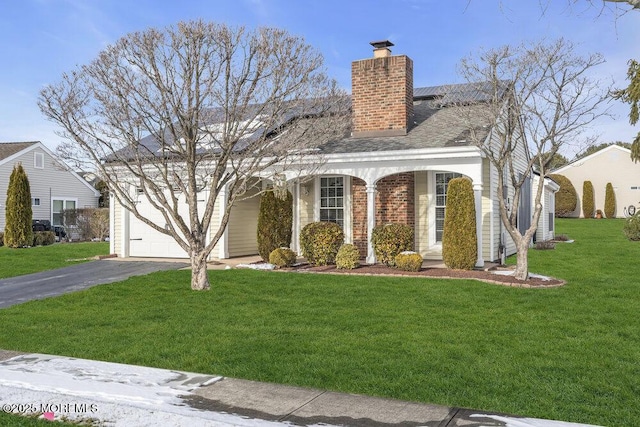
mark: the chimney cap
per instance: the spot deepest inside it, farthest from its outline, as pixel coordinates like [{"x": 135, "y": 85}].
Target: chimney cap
[{"x": 381, "y": 44}]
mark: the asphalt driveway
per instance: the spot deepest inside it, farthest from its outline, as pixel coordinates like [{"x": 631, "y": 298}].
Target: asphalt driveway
[{"x": 45, "y": 284}]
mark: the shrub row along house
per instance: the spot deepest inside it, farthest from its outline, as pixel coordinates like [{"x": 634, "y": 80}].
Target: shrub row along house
[
  {"x": 405, "y": 145},
  {"x": 613, "y": 165},
  {"x": 54, "y": 187}
]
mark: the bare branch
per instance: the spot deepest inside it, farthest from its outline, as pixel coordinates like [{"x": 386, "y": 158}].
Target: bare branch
[
  {"x": 178, "y": 117},
  {"x": 536, "y": 99}
]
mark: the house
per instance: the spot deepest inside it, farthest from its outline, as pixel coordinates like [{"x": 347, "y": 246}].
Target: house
[
  {"x": 611, "y": 164},
  {"x": 404, "y": 148},
  {"x": 54, "y": 187},
  {"x": 546, "y": 222}
]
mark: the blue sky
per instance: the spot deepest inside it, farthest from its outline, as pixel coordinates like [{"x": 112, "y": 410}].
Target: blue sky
[{"x": 41, "y": 39}]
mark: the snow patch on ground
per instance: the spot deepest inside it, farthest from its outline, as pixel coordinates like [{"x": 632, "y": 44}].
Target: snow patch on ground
[
  {"x": 263, "y": 266},
  {"x": 112, "y": 393},
  {"x": 510, "y": 273}
]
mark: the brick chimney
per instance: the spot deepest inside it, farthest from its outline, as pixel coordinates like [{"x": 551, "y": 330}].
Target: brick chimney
[{"x": 382, "y": 93}]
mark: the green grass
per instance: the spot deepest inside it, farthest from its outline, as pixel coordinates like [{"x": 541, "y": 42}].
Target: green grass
[
  {"x": 16, "y": 262},
  {"x": 569, "y": 353},
  {"x": 14, "y": 420}
]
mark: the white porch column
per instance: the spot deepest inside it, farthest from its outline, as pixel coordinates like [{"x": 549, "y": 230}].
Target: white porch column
[
  {"x": 371, "y": 221},
  {"x": 124, "y": 229},
  {"x": 223, "y": 243},
  {"x": 295, "y": 241},
  {"x": 112, "y": 223},
  {"x": 477, "y": 192}
]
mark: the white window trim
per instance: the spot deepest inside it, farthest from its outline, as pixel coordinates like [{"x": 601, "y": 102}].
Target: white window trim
[
  {"x": 431, "y": 196},
  {"x": 36, "y": 156},
  {"x": 348, "y": 211},
  {"x": 34, "y": 200},
  {"x": 64, "y": 202}
]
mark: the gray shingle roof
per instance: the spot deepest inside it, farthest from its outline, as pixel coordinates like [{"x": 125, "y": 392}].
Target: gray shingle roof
[
  {"x": 8, "y": 149},
  {"x": 436, "y": 123}
]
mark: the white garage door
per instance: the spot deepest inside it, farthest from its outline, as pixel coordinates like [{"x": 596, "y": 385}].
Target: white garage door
[{"x": 144, "y": 241}]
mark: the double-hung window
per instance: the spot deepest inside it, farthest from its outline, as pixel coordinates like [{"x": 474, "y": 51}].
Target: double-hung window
[
  {"x": 332, "y": 199},
  {"x": 442, "y": 183},
  {"x": 59, "y": 206}
]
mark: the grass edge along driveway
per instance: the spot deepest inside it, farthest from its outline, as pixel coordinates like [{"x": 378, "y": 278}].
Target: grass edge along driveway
[
  {"x": 568, "y": 353},
  {"x": 17, "y": 262}
]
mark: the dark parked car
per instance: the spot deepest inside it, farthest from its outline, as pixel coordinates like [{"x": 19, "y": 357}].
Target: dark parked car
[{"x": 45, "y": 225}]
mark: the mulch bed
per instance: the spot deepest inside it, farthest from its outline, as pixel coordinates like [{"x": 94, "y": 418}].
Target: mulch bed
[{"x": 442, "y": 273}]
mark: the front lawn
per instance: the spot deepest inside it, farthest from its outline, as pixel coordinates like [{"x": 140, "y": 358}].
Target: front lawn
[
  {"x": 569, "y": 353},
  {"x": 16, "y": 262}
]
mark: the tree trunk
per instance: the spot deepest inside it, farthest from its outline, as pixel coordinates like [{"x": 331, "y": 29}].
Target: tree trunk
[
  {"x": 199, "y": 278},
  {"x": 522, "y": 260}
]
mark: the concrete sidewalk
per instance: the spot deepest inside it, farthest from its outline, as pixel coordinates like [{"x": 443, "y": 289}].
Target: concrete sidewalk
[{"x": 125, "y": 395}]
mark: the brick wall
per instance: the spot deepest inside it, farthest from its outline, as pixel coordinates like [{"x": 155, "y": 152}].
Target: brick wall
[
  {"x": 395, "y": 203},
  {"x": 382, "y": 95}
]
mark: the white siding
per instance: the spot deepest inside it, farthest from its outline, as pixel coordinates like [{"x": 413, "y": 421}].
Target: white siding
[
  {"x": 116, "y": 233},
  {"x": 53, "y": 181},
  {"x": 243, "y": 226},
  {"x": 612, "y": 164}
]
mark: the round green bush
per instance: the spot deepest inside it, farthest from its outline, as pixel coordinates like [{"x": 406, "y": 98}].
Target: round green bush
[
  {"x": 609, "y": 201},
  {"x": 320, "y": 242},
  {"x": 459, "y": 239},
  {"x": 631, "y": 227},
  {"x": 409, "y": 261},
  {"x": 389, "y": 240},
  {"x": 588, "y": 202},
  {"x": 348, "y": 257},
  {"x": 282, "y": 257},
  {"x": 566, "y": 197}
]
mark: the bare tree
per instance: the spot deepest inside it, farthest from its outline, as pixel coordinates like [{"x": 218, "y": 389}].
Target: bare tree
[
  {"x": 187, "y": 117},
  {"x": 535, "y": 98}
]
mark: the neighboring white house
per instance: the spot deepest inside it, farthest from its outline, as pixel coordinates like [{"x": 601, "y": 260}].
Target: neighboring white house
[
  {"x": 546, "y": 223},
  {"x": 611, "y": 164},
  {"x": 394, "y": 167},
  {"x": 54, "y": 187}
]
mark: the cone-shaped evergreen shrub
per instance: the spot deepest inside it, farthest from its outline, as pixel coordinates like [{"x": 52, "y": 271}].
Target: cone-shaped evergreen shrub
[
  {"x": 566, "y": 197},
  {"x": 609, "y": 201},
  {"x": 588, "y": 203},
  {"x": 275, "y": 221},
  {"x": 18, "y": 231},
  {"x": 459, "y": 240}
]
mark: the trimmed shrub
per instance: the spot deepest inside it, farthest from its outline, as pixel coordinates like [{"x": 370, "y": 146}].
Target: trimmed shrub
[
  {"x": 588, "y": 203},
  {"x": 391, "y": 239},
  {"x": 282, "y": 257},
  {"x": 545, "y": 245},
  {"x": 348, "y": 257},
  {"x": 409, "y": 261},
  {"x": 631, "y": 227},
  {"x": 44, "y": 238},
  {"x": 275, "y": 221},
  {"x": 320, "y": 242},
  {"x": 18, "y": 231},
  {"x": 1, "y": 238},
  {"x": 609, "y": 201},
  {"x": 566, "y": 197},
  {"x": 459, "y": 240}
]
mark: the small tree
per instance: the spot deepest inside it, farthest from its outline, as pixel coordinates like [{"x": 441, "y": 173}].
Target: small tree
[
  {"x": 609, "y": 201},
  {"x": 275, "y": 223},
  {"x": 184, "y": 118},
  {"x": 631, "y": 95},
  {"x": 588, "y": 202},
  {"x": 459, "y": 240},
  {"x": 535, "y": 99},
  {"x": 18, "y": 230}
]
